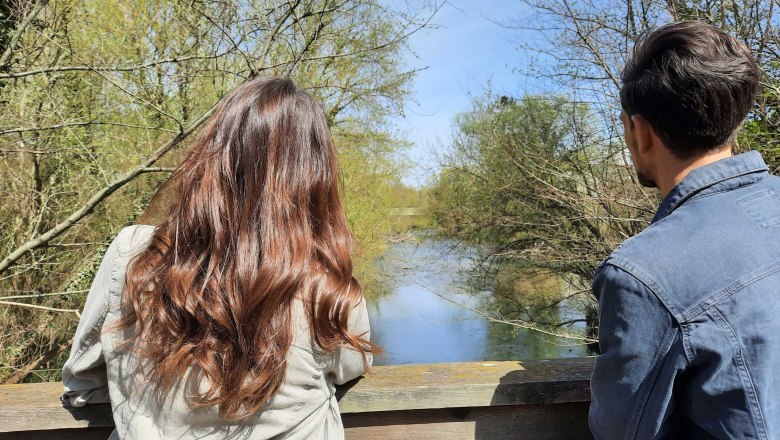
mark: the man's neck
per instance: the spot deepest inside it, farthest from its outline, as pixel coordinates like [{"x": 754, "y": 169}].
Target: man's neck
[{"x": 674, "y": 170}]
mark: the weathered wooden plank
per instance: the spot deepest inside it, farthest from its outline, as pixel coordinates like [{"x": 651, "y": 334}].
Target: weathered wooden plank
[
  {"x": 470, "y": 384},
  {"x": 567, "y": 421},
  {"x": 36, "y": 407},
  {"x": 30, "y": 407},
  {"x": 529, "y": 422}
]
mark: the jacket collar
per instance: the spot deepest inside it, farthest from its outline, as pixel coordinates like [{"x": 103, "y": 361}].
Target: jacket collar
[{"x": 723, "y": 175}]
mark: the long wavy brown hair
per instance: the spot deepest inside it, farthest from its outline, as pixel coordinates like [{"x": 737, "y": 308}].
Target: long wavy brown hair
[{"x": 257, "y": 220}]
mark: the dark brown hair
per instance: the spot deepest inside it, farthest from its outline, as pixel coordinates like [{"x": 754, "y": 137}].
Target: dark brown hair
[
  {"x": 257, "y": 220},
  {"x": 694, "y": 84}
]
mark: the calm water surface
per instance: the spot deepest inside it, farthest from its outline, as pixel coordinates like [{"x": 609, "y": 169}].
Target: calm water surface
[{"x": 414, "y": 325}]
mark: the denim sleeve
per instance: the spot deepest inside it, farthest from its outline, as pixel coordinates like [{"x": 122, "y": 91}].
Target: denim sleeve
[
  {"x": 84, "y": 373},
  {"x": 347, "y": 364},
  {"x": 641, "y": 354}
]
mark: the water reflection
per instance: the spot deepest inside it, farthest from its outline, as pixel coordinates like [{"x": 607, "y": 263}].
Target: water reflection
[{"x": 414, "y": 325}]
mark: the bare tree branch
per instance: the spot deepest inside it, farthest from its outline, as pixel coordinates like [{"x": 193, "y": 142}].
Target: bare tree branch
[
  {"x": 36, "y": 306},
  {"x": 87, "y": 68},
  {"x": 38, "y": 362},
  {"x": 101, "y": 195},
  {"x": 5, "y": 58},
  {"x": 80, "y": 124},
  {"x": 142, "y": 168}
]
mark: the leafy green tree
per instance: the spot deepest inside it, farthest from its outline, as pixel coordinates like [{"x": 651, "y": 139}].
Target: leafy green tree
[
  {"x": 530, "y": 184},
  {"x": 100, "y": 97},
  {"x": 584, "y": 44},
  {"x": 560, "y": 195}
]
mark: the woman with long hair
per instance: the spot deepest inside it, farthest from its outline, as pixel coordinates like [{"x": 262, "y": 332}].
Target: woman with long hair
[{"x": 237, "y": 314}]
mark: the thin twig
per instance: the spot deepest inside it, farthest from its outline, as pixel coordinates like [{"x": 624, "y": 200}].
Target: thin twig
[
  {"x": 41, "y": 295},
  {"x": 35, "y": 306},
  {"x": 515, "y": 323}
]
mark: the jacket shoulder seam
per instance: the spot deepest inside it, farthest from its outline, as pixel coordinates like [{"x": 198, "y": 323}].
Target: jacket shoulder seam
[
  {"x": 730, "y": 290},
  {"x": 648, "y": 282}
]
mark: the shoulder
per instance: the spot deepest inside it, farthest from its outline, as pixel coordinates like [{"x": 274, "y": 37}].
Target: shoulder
[
  {"x": 132, "y": 239},
  {"x": 636, "y": 254},
  {"x": 625, "y": 299},
  {"x": 128, "y": 242},
  {"x": 695, "y": 251},
  {"x": 646, "y": 265},
  {"x": 612, "y": 276}
]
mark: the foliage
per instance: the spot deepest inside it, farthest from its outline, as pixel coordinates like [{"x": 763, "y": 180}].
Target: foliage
[
  {"x": 544, "y": 184},
  {"x": 100, "y": 97},
  {"x": 584, "y": 45},
  {"x": 529, "y": 182}
]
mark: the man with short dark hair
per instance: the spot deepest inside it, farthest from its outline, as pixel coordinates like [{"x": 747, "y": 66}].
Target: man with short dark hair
[{"x": 690, "y": 308}]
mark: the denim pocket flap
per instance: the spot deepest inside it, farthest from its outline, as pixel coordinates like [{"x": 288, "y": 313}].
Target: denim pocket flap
[{"x": 763, "y": 207}]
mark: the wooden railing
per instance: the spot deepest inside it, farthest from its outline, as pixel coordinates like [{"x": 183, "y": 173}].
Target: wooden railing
[{"x": 477, "y": 400}]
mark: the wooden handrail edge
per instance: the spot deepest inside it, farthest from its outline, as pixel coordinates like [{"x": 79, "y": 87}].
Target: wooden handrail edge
[{"x": 31, "y": 407}]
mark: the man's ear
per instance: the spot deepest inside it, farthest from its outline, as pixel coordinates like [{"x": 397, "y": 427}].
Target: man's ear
[{"x": 643, "y": 133}]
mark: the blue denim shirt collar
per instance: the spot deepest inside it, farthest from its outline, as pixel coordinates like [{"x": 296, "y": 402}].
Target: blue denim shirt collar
[{"x": 722, "y": 175}]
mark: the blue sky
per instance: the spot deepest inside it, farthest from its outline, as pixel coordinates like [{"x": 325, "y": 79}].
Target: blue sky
[{"x": 464, "y": 53}]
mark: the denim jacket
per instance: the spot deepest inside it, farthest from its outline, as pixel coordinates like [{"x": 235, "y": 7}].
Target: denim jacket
[{"x": 690, "y": 314}]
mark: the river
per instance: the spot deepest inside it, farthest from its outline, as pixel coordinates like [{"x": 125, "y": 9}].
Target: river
[{"x": 414, "y": 325}]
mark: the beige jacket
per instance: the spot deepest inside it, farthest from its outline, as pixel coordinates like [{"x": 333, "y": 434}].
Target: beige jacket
[{"x": 96, "y": 372}]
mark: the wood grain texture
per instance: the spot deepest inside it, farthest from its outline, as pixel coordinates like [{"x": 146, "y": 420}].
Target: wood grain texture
[
  {"x": 527, "y": 422},
  {"x": 470, "y": 384},
  {"x": 32, "y": 407},
  {"x": 387, "y": 394}
]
